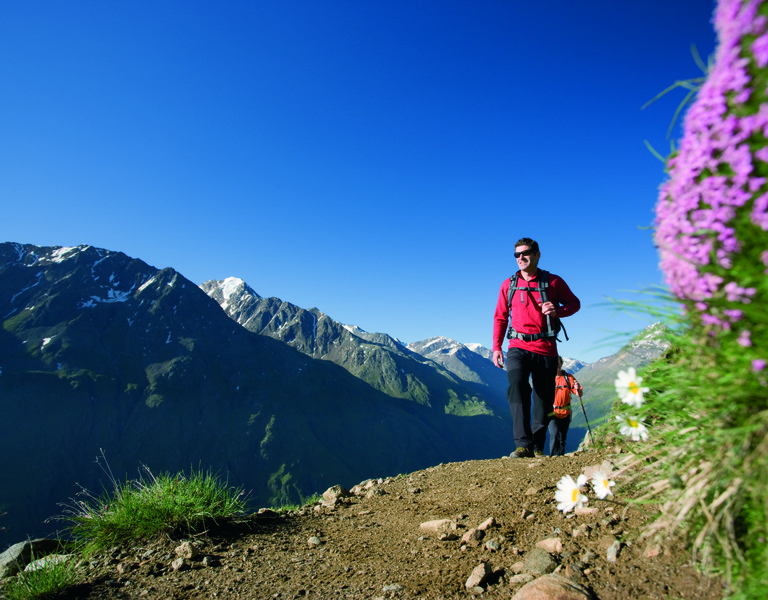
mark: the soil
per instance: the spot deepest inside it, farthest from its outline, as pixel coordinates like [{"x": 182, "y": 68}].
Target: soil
[{"x": 372, "y": 545}]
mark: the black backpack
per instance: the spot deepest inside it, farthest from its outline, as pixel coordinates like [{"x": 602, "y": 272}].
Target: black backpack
[{"x": 553, "y": 325}]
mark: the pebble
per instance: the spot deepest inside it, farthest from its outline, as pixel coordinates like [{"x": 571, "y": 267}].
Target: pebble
[
  {"x": 478, "y": 576},
  {"x": 439, "y": 526},
  {"x": 551, "y": 545},
  {"x": 187, "y": 550},
  {"x": 180, "y": 564},
  {"x": 473, "y": 535},
  {"x": 553, "y": 586},
  {"x": 538, "y": 561},
  {"x": 613, "y": 551}
]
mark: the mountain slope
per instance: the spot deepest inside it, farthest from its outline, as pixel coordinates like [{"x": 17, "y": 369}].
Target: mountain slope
[
  {"x": 598, "y": 378},
  {"x": 100, "y": 351},
  {"x": 376, "y": 358}
]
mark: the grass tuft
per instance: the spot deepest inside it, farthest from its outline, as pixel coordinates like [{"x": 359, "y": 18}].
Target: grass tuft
[
  {"x": 47, "y": 581},
  {"x": 150, "y": 506}
]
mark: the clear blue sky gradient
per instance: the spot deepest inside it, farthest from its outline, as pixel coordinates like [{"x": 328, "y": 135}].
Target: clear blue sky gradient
[{"x": 376, "y": 160}]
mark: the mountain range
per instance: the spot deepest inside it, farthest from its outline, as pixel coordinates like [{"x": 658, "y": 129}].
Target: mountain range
[{"x": 104, "y": 355}]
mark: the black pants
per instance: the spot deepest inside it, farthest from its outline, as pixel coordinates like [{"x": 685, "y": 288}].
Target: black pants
[
  {"x": 558, "y": 430},
  {"x": 523, "y": 365}
]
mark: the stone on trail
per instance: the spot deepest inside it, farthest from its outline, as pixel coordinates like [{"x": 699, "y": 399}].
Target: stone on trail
[
  {"x": 180, "y": 564},
  {"x": 539, "y": 562},
  {"x": 478, "y": 576},
  {"x": 332, "y": 494},
  {"x": 376, "y": 491},
  {"x": 472, "y": 536},
  {"x": 440, "y": 526},
  {"x": 586, "y": 510},
  {"x": 613, "y": 551},
  {"x": 550, "y": 587},
  {"x": 551, "y": 545},
  {"x": 187, "y": 550}
]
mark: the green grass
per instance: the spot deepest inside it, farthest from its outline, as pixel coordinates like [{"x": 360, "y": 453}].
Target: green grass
[
  {"x": 134, "y": 511},
  {"x": 45, "y": 582},
  {"x": 706, "y": 459},
  {"x": 153, "y": 505},
  {"x": 288, "y": 508}
]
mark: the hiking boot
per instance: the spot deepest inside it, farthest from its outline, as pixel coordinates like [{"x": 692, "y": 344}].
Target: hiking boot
[
  {"x": 522, "y": 453},
  {"x": 538, "y": 454}
]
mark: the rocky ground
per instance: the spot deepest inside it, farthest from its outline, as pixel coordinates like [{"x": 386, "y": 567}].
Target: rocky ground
[{"x": 379, "y": 543}]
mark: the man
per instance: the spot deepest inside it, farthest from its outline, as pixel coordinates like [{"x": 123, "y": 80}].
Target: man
[
  {"x": 565, "y": 386},
  {"x": 533, "y": 316}
]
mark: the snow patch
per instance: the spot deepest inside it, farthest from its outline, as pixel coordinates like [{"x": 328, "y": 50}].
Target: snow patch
[
  {"x": 29, "y": 287},
  {"x": 113, "y": 296},
  {"x": 353, "y": 329},
  {"x": 229, "y": 286},
  {"x": 60, "y": 254},
  {"x": 149, "y": 282}
]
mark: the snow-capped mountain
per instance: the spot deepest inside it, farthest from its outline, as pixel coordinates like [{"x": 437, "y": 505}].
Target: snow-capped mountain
[{"x": 377, "y": 358}]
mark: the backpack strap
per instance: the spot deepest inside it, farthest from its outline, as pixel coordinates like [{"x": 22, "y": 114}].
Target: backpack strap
[{"x": 553, "y": 325}]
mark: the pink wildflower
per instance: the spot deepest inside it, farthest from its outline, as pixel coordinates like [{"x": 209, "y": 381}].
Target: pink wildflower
[
  {"x": 735, "y": 293},
  {"x": 744, "y": 338},
  {"x": 760, "y": 50},
  {"x": 716, "y": 175}
]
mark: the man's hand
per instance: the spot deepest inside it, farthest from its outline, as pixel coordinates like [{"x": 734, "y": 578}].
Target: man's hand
[
  {"x": 498, "y": 358},
  {"x": 548, "y": 308}
]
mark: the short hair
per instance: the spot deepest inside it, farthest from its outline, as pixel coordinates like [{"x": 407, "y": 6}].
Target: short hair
[{"x": 532, "y": 244}]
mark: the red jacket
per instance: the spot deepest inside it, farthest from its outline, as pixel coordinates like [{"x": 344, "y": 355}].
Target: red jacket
[{"x": 527, "y": 316}]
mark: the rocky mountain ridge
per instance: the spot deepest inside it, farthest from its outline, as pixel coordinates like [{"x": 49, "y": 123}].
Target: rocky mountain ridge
[{"x": 380, "y": 360}]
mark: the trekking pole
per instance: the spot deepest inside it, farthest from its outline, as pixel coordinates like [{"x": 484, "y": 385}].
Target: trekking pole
[{"x": 587, "y": 420}]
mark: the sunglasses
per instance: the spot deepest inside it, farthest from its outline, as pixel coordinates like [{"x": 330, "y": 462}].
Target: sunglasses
[{"x": 523, "y": 253}]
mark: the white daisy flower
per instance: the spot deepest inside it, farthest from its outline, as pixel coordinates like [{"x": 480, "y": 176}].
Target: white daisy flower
[
  {"x": 602, "y": 485},
  {"x": 633, "y": 427},
  {"x": 629, "y": 389},
  {"x": 568, "y": 494}
]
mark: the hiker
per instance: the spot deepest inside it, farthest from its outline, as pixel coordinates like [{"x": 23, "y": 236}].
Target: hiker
[
  {"x": 532, "y": 301},
  {"x": 565, "y": 386}
]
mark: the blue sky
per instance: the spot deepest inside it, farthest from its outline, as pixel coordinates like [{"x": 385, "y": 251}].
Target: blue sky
[{"x": 376, "y": 160}]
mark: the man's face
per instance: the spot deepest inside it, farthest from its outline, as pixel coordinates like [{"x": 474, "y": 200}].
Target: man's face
[{"x": 527, "y": 260}]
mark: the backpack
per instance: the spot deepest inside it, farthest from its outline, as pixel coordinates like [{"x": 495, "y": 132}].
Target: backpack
[
  {"x": 553, "y": 326},
  {"x": 563, "y": 388}
]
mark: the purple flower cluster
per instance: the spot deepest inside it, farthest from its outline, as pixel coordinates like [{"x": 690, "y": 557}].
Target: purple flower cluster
[{"x": 713, "y": 176}]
